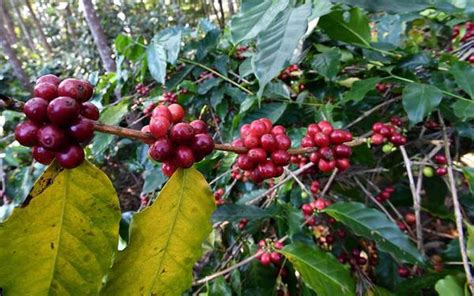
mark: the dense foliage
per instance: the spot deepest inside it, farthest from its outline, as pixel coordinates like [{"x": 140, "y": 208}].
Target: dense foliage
[{"x": 343, "y": 161}]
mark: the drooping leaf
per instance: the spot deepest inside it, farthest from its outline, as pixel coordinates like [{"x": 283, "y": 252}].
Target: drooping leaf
[
  {"x": 355, "y": 30},
  {"x": 276, "y": 44},
  {"x": 273, "y": 111},
  {"x": 254, "y": 17},
  {"x": 64, "y": 240},
  {"x": 419, "y": 100},
  {"x": 156, "y": 61},
  {"x": 464, "y": 109},
  {"x": 327, "y": 63},
  {"x": 170, "y": 40},
  {"x": 360, "y": 88},
  {"x": 464, "y": 76},
  {"x": 165, "y": 239},
  {"x": 320, "y": 270},
  {"x": 374, "y": 225},
  {"x": 449, "y": 286}
]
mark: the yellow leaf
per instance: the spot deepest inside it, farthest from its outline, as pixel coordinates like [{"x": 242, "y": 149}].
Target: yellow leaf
[
  {"x": 63, "y": 241},
  {"x": 165, "y": 240}
]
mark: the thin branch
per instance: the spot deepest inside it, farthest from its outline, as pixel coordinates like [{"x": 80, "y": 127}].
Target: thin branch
[
  {"x": 457, "y": 206},
  {"x": 375, "y": 201},
  {"x": 328, "y": 183},
  {"x": 368, "y": 112},
  {"x": 302, "y": 186}
]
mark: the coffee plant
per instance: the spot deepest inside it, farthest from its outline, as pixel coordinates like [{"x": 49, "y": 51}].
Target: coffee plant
[{"x": 318, "y": 148}]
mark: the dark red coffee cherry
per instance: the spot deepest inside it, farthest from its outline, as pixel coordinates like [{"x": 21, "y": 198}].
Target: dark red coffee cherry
[
  {"x": 159, "y": 126},
  {"x": 161, "y": 150},
  {"x": 162, "y": 110},
  {"x": 177, "y": 112},
  {"x": 268, "y": 143},
  {"x": 182, "y": 133},
  {"x": 199, "y": 126},
  {"x": 245, "y": 162},
  {"x": 343, "y": 151},
  {"x": 326, "y": 166},
  {"x": 338, "y": 136},
  {"x": 90, "y": 111},
  {"x": 169, "y": 167},
  {"x": 52, "y": 137},
  {"x": 257, "y": 128},
  {"x": 36, "y": 110},
  {"x": 202, "y": 145},
  {"x": 184, "y": 157},
  {"x": 63, "y": 110},
  {"x": 257, "y": 155},
  {"x": 46, "y": 91},
  {"x": 281, "y": 157},
  {"x": 26, "y": 133},
  {"x": 403, "y": 272},
  {"x": 77, "y": 89},
  {"x": 321, "y": 140},
  {"x": 82, "y": 129},
  {"x": 70, "y": 157},
  {"x": 278, "y": 130},
  {"x": 283, "y": 141},
  {"x": 49, "y": 78},
  {"x": 251, "y": 141},
  {"x": 43, "y": 155}
]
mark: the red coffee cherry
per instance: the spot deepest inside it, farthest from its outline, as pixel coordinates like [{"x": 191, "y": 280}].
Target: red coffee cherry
[
  {"x": 283, "y": 141},
  {"x": 199, "y": 126},
  {"x": 257, "y": 155},
  {"x": 377, "y": 139},
  {"x": 244, "y": 131},
  {"x": 49, "y": 78},
  {"x": 315, "y": 157},
  {"x": 342, "y": 151},
  {"x": 281, "y": 157},
  {"x": 440, "y": 159},
  {"x": 182, "y": 133},
  {"x": 326, "y": 166},
  {"x": 265, "y": 259},
  {"x": 307, "y": 142},
  {"x": 82, "y": 129},
  {"x": 162, "y": 110},
  {"x": 63, "y": 110},
  {"x": 71, "y": 157},
  {"x": 313, "y": 129},
  {"x": 267, "y": 170},
  {"x": 275, "y": 257},
  {"x": 26, "y": 133},
  {"x": 177, "y": 112},
  {"x": 90, "y": 111},
  {"x": 441, "y": 171},
  {"x": 43, "y": 155},
  {"x": 376, "y": 127},
  {"x": 326, "y": 127},
  {"x": 245, "y": 163},
  {"x": 268, "y": 142},
  {"x": 46, "y": 91},
  {"x": 77, "y": 89},
  {"x": 307, "y": 209},
  {"x": 159, "y": 126},
  {"x": 338, "y": 136},
  {"x": 278, "y": 130},
  {"x": 251, "y": 142},
  {"x": 52, "y": 137},
  {"x": 257, "y": 128},
  {"x": 403, "y": 272},
  {"x": 169, "y": 167},
  {"x": 184, "y": 157},
  {"x": 321, "y": 140},
  {"x": 36, "y": 110},
  {"x": 202, "y": 145},
  {"x": 268, "y": 124},
  {"x": 343, "y": 164},
  {"x": 161, "y": 150}
]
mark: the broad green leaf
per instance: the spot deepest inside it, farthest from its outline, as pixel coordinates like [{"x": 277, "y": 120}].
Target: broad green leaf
[
  {"x": 469, "y": 175},
  {"x": 419, "y": 100},
  {"x": 470, "y": 242},
  {"x": 399, "y": 6},
  {"x": 320, "y": 270},
  {"x": 374, "y": 225},
  {"x": 156, "y": 61},
  {"x": 165, "y": 240},
  {"x": 276, "y": 44},
  {"x": 273, "y": 111},
  {"x": 63, "y": 241},
  {"x": 320, "y": 8},
  {"x": 464, "y": 109},
  {"x": 360, "y": 88},
  {"x": 235, "y": 212},
  {"x": 254, "y": 17},
  {"x": 378, "y": 291},
  {"x": 328, "y": 63},
  {"x": 464, "y": 76},
  {"x": 170, "y": 40},
  {"x": 449, "y": 286},
  {"x": 355, "y": 30}
]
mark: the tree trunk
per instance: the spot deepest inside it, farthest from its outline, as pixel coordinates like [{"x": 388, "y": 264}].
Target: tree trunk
[
  {"x": 230, "y": 3},
  {"x": 13, "y": 60},
  {"x": 99, "y": 36},
  {"x": 24, "y": 29},
  {"x": 10, "y": 27},
  {"x": 39, "y": 27}
]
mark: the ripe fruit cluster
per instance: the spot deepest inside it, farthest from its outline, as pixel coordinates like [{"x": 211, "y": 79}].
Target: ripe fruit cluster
[
  {"x": 310, "y": 208},
  {"x": 289, "y": 72},
  {"x": 267, "y": 150},
  {"x": 142, "y": 90},
  {"x": 441, "y": 160},
  {"x": 332, "y": 152},
  {"x": 239, "y": 52},
  {"x": 59, "y": 120},
  {"x": 266, "y": 254},
  {"x": 466, "y": 38},
  {"x": 385, "y": 194},
  {"x": 218, "y": 194},
  {"x": 356, "y": 258},
  {"x": 178, "y": 144},
  {"x": 390, "y": 132}
]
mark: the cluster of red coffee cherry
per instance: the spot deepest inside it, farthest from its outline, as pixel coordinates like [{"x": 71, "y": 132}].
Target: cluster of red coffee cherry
[
  {"x": 390, "y": 132},
  {"x": 267, "y": 149},
  {"x": 59, "y": 120},
  {"x": 332, "y": 151},
  {"x": 356, "y": 258},
  {"x": 239, "y": 52},
  {"x": 310, "y": 208},
  {"x": 385, "y": 194},
  {"x": 469, "y": 33},
  {"x": 142, "y": 90},
  {"x": 218, "y": 194},
  {"x": 289, "y": 72},
  {"x": 441, "y": 160},
  {"x": 177, "y": 144},
  {"x": 266, "y": 254}
]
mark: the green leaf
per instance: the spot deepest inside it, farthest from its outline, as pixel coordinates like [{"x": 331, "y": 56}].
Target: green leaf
[
  {"x": 328, "y": 63},
  {"x": 273, "y": 111},
  {"x": 63, "y": 241},
  {"x": 374, "y": 225},
  {"x": 165, "y": 240},
  {"x": 470, "y": 242},
  {"x": 464, "y": 109},
  {"x": 355, "y": 30},
  {"x": 399, "y": 6},
  {"x": 419, "y": 100},
  {"x": 469, "y": 175},
  {"x": 235, "y": 212},
  {"x": 170, "y": 40},
  {"x": 156, "y": 61},
  {"x": 320, "y": 270},
  {"x": 361, "y": 88},
  {"x": 254, "y": 17},
  {"x": 449, "y": 286},
  {"x": 464, "y": 76},
  {"x": 276, "y": 44}
]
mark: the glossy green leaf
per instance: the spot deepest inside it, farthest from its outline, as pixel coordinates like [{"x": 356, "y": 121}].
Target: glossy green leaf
[
  {"x": 170, "y": 40},
  {"x": 273, "y": 111},
  {"x": 470, "y": 241},
  {"x": 156, "y": 59},
  {"x": 165, "y": 240},
  {"x": 419, "y": 100},
  {"x": 254, "y": 17},
  {"x": 63, "y": 241},
  {"x": 360, "y": 88},
  {"x": 464, "y": 76},
  {"x": 355, "y": 29},
  {"x": 320, "y": 270},
  {"x": 399, "y": 6},
  {"x": 327, "y": 64},
  {"x": 449, "y": 286},
  {"x": 276, "y": 44},
  {"x": 464, "y": 109},
  {"x": 469, "y": 175},
  {"x": 235, "y": 212},
  {"x": 374, "y": 225}
]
